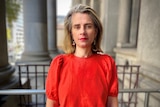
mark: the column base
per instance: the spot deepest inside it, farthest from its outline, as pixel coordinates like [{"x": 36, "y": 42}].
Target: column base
[
  {"x": 34, "y": 57},
  {"x": 126, "y": 45},
  {"x": 6, "y": 73},
  {"x": 54, "y": 53},
  {"x": 8, "y": 81}
]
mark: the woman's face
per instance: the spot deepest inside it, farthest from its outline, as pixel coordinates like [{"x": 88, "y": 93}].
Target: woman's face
[{"x": 83, "y": 30}]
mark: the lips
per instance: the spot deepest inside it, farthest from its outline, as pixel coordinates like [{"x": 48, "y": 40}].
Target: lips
[{"x": 83, "y": 38}]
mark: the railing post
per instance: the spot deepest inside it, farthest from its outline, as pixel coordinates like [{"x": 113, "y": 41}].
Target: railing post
[{"x": 146, "y": 100}]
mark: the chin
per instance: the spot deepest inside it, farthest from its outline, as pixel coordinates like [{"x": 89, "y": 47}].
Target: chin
[{"x": 85, "y": 46}]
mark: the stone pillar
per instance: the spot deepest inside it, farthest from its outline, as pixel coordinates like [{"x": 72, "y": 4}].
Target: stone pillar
[
  {"x": 134, "y": 23},
  {"x": 86, "y": 2},
  {"x": 124, "y": 22},
  {"x": 96, "y": 5},
  {"x": 110, "y": 23},
  {"x": 35, "y": 31},
  {"x": 74, "y": 2},
  {"x": 52, "y": 27},
  {"x": 7, "y": 80}
]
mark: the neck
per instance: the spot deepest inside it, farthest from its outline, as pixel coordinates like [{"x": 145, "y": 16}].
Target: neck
[{"x": 83, "y": 53}]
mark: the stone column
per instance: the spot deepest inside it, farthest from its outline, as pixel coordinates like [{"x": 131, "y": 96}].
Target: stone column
[
  {"x": 52, "y": 27},
  {"x": 74, "y": 2},
  {"x": 110, "y": 23},
  {"x": 87, "y": 2},
  {"x": 96, "y": 5},
  {"x": 35, "y": 31},
  {"x": 6, "y": 70},
  {"x": 134, "y": 23},
  {"x": 124, "y": 22}
]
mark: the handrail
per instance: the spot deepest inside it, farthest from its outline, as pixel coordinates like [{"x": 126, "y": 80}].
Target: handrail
[
  {"x": 42, "y": 91},
  {"x": 21, "y": 91},
  {"x": 139, "y": 90},
  {"x": 146, "y": 91}
]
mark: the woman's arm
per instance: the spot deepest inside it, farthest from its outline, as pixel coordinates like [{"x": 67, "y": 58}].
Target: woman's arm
[
  {"x": 50, "y": 103},
  {"x": 112, "y": 102}
]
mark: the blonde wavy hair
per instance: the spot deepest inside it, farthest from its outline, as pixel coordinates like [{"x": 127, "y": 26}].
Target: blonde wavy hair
[{"x": 67, "y": 45}]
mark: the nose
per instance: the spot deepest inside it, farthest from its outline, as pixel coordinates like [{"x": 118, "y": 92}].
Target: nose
[{"x": 82, "y": 30}]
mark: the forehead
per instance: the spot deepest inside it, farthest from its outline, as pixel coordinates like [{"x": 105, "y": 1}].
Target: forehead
[{"x": 81, "y": 18}]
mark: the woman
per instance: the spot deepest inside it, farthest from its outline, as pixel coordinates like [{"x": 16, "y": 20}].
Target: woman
[{"x": 83, "y": 77}]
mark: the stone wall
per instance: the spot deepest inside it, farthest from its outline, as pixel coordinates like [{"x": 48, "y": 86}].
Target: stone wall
[{"x": 147, "y": 52}]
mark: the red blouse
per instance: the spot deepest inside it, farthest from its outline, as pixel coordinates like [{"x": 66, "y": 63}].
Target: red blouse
[{"x": 82, "y": 82}]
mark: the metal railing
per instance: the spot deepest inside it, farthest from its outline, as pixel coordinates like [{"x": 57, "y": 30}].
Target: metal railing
[
  {"x": 35, "y": 76},
  {"x": 147, "y": 93},
  {"x": 128, "y": 79},
  {"x": 35, "y": 79}
]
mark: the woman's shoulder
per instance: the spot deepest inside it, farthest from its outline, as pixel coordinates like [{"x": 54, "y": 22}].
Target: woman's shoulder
[
  {"x": 57, "y": 59},
  {"x": 106, "y": 60},
  {"x": 105, "y": 56},
  {"x": 61, "y": 57}
]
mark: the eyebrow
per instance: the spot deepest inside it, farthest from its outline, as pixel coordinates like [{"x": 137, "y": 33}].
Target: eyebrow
[{"x": 84, "y": 24}]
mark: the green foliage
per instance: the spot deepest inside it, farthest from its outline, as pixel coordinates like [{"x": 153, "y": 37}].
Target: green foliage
[{"x": 12, "y": 11}]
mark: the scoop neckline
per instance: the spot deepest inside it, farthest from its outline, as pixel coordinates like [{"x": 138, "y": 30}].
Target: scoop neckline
[{"x": 83, "y": 57}]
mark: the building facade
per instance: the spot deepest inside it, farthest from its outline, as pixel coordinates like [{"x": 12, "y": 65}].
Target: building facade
[{"x": 131, "y": 35}]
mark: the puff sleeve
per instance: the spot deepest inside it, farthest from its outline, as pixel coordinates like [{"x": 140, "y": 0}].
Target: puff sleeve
[
  {"x": 112, "y": 79},
  {"x": 52, "y": 80}
]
